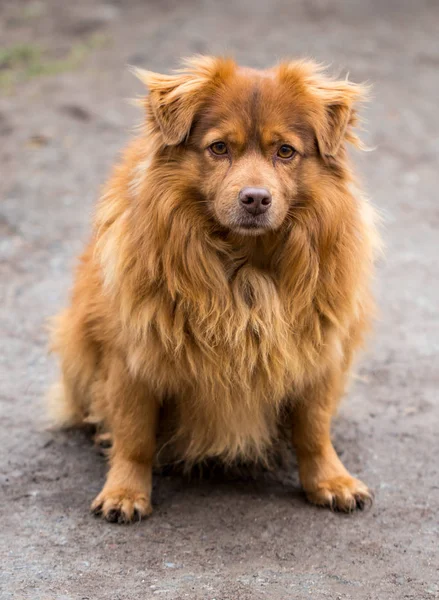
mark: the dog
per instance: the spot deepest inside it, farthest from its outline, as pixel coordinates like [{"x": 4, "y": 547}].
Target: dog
[{"x": 227, "y": 285}]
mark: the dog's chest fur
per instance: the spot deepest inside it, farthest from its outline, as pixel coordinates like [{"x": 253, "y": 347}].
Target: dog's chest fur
[{"x": 228, "y": 364}]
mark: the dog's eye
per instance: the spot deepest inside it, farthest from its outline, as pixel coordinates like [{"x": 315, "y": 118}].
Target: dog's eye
[
  {"x": 218, "y": 148},
  {"x": 286, "y": 151}
]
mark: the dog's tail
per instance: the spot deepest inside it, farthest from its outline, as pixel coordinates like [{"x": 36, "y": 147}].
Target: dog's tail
[{"x": 62, "y": 410}]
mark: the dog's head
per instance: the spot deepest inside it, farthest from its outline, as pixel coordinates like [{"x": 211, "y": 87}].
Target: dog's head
[{"x": 253, "y": 143}]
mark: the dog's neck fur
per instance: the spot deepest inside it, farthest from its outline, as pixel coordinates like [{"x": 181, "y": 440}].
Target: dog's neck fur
[{"x": 256, "y": 251}]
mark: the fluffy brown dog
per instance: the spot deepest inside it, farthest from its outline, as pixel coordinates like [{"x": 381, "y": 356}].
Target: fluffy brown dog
[{"x": 226, "y": 287}]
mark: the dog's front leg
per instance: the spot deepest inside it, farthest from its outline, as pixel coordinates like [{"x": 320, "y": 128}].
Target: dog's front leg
[
  {"x": 323, "y": 476},
  {"x": 132, "y": 412}
]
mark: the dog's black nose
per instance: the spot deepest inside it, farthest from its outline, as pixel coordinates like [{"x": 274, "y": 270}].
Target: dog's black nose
[{"x": 256, "y": 200}]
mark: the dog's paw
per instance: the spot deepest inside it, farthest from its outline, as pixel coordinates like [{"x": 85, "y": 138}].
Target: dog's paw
[
  {"x": 103, "y": 442},
  {"x": 342, "y": 493},
  {"x": 121, "y": 506}
]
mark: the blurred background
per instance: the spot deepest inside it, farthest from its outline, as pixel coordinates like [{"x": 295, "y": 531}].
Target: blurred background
[{"x": 63, "y": 119}]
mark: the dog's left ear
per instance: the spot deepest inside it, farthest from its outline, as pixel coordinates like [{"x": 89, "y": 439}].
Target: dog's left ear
[
  {"x": 338, "y": 99},
  {"x": 174, "y": 100},
  {"x": 329, "y": 105}
]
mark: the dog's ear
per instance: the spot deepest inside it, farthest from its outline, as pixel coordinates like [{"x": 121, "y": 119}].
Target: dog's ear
[
  {"x": 338, "y": 99},
  {"x": 329, "y": 105},
  {"x": 174, "y": 100}
]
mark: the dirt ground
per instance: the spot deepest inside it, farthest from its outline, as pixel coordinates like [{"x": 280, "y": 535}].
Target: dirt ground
[{"x": 63, "y": 119}]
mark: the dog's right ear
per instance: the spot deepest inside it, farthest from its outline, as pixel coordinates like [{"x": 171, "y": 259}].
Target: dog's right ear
[{"x": 174, "y": 100}]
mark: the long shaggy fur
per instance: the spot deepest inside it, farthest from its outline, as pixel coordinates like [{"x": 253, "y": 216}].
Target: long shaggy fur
[{"x": 225, "y": 330}]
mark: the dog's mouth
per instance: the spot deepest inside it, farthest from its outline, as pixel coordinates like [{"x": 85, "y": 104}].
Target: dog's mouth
[
  {"x": 241, "y": 220},
  {"x": 252, "y": 225}
]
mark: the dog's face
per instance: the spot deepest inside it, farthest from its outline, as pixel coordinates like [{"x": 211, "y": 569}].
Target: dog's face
[
  {"x": 250, "y": 153},
  {"x": 252, "y": 141}
]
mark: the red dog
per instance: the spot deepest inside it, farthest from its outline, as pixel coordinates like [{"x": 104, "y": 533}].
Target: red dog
[{"x": 227, "y": 281}]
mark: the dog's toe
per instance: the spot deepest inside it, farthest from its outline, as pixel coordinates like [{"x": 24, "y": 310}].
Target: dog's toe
[
  {"x": 121, "y": 506},
  {"x": 343, "y": 493}
]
